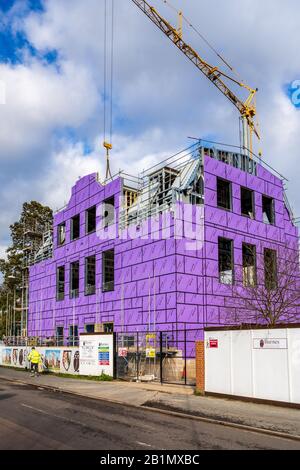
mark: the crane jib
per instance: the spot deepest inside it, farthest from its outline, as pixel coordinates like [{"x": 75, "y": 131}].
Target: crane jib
[{"x": 246, "y": 108}]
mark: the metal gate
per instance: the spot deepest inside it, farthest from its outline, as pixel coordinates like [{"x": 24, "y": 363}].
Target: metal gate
[
  {"x": 136, "y": 356},
  {"x": 165, "y": 357}
]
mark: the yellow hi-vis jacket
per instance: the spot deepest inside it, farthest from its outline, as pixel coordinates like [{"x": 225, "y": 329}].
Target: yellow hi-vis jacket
[{"x": 34, "y": 356}]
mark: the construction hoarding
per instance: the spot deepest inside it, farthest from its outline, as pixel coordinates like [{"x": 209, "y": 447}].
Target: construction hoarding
[
  {"x": 254, "y": 363},
  {"x": 63, "y": 360}
]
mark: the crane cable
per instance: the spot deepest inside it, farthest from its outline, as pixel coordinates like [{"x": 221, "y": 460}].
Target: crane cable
[
  {"x": 108, "y": 106},
  {"x": 188, "y": 22},
  {"x": 112, "y": 66},
  {"x": 105, "y": 68}
]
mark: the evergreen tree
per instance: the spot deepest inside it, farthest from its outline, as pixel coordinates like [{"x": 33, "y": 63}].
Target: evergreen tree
[{"x": 34, "y": 220}]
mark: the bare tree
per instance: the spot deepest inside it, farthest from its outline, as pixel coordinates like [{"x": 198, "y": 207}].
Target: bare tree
[{"x": 268, "y": 294}]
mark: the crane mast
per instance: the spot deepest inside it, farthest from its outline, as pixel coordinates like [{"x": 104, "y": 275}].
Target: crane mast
[{"x": 247, "y": 108}]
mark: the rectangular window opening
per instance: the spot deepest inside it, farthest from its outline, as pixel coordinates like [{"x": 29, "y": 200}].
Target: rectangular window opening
[
  {"x": 130, "y": 198},
  {"x": 59, "y": 336},
  {"x": 247, "y": 203},
  {"x": 268, "y": 210},
  {"x": 109, "y": 212},
  {"x": 163, "y": 181},
  {"x": 270, "y": 265},
  {"x": 61, "y": 234},
  {"x": 90, "y": 275},
  {"x": 60, "y": 283},
  {"x": 75, "y": 227},
  {"x": 90, "y": 328},
  {"x": 108, "y": 327},
  {"x": 197, "y": 196},
  {"x": 91, "y": 220},
  {"x": 249, "y": 265},
  {"x": 73, "y": 339},
  {"x": 108, "y": 270},
  {"x": 224, "y": 194},
  {"x": 74, "y": 280},
  {"x": 128, "y": 341},
  {"x": 226, "y": 274}
]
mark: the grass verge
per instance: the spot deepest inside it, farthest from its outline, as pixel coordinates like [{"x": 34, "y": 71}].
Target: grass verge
[{"x": 99, "y": 378}]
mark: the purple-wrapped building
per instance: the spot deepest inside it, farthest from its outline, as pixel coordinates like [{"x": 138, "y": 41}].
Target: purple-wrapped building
[{"x": 164, "y": 251}]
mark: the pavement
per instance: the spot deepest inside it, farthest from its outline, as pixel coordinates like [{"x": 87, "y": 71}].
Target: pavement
[
  {"x": 172, "y": 399},
  {"x": 35, "y": 418}
]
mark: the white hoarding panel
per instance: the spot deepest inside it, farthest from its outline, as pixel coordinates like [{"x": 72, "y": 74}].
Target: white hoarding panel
[
  {"x": 217, "y": 378},
  {"x": 262, "y": 364},
  {"x": 294, "y": 364},
  {"x": 270, "y": 366},
  {"x": 96, "y": 354},
  {"x": 241, "y": 364}
]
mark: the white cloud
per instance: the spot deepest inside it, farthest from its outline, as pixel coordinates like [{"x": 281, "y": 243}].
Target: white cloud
[
  {"x": 160, "y": 98},
  {"x": 40, "y": 99},
  {"x": 71, "y": 163}
]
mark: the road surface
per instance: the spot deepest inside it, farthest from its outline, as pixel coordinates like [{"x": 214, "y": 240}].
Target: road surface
[{"x": 32, "y": 418}]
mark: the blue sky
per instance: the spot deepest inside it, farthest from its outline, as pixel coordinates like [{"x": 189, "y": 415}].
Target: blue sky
[{"x": 51, "y": 62}]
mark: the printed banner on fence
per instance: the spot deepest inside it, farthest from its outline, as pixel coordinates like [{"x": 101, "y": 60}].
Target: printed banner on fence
[{"x": 58, "y": 360}]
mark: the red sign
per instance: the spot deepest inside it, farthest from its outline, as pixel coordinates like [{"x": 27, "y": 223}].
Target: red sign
[
  {"x": 123, "y": 352},
  {"x": 214, "y": 343}
]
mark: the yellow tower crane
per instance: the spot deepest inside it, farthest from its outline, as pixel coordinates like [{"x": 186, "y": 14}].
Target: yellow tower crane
[{"x": 247, "y": 108}]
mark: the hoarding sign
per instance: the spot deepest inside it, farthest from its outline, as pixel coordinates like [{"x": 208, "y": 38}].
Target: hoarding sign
[
  {"x": 87, "y": 352},
  {"x": 123, "y": 352},
  {"x": 96, "y": 354},
  {"x": 270, "y": 343},
  {"x": 150, "y": 353},
  {"x": 213, "y": 343},
  {"x": 103, "y": 354}
]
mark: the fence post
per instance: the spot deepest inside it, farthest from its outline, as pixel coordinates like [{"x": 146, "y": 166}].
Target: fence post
[
  {"x": 200, "y": 367},
  {"x": 115, "y": 354},
  {"x": 185, "y": 362},
  {"x": 161, "y": 357},
  {"x": 137, "y": 357}
]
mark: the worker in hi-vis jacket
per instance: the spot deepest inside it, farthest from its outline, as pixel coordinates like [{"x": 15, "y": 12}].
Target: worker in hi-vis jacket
[{"x": 34, "y": 357}]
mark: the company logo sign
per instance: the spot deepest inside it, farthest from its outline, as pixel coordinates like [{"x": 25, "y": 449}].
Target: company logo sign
[
  {"x": 212, "y": 343},
  {"x": 270, "y": 343},
  {"x": 295, "y": 93}
]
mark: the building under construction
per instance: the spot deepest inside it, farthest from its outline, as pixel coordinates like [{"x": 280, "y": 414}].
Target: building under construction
[
  {"x": 164, "y": 251},
  {"x": 174, "y": 248}
]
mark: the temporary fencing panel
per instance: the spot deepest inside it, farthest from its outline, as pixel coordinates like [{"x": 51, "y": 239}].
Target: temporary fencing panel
[
  {"x": 166, "y": 357},
  {"x": 261, "y": 364}
]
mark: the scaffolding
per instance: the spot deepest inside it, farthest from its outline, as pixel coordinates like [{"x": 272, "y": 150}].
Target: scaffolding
[
  {"x": 37, "y": 245},
  {"x": 177, "y": 179}
]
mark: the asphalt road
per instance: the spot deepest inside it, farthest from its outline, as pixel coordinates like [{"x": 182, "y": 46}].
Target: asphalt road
[{"x": 32, "y": 418}]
